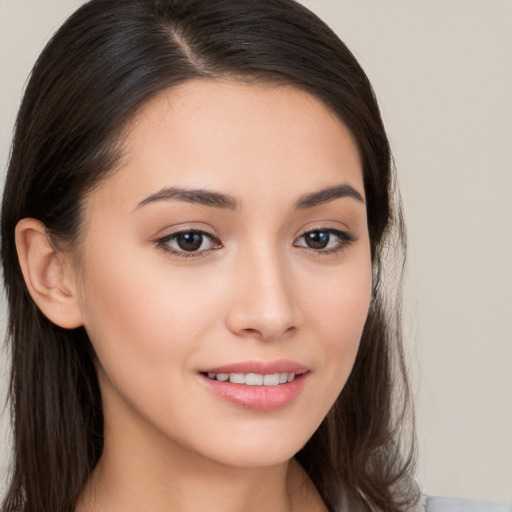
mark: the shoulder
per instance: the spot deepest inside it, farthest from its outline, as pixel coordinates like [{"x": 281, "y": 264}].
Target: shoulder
[{"x": 437, "y": 504}]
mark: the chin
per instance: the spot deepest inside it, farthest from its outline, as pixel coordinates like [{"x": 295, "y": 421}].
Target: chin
[
  {"x": 252, "y": 450},
  {"x": 257, "y": 457}
]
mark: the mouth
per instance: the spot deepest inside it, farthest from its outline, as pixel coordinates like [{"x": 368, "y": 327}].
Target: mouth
[
  {"x": 254, "y": 379},
  {"x": 257, "y": 385}
]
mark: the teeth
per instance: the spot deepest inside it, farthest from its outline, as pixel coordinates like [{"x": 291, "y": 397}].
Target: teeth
[
  {"x": 271, "y": 380},
  {"x": 237, "y": 378},
  {"x": 223, "y": 377},
  {"x": 253, "y": 379}
]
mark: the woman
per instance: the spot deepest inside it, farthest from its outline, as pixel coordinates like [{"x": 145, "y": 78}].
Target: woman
[{"x": 194, "y": 222}]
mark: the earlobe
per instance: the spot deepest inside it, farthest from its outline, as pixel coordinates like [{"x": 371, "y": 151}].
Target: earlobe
[{"x": 48, "y": 274}]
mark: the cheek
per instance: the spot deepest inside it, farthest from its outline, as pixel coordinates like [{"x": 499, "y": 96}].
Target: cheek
[
  {"x": 338, "y": 311},
  {"x": 147, "y": 325},
  {"x": 139, "y": 310},
  {"x": 339, "y": 306}
]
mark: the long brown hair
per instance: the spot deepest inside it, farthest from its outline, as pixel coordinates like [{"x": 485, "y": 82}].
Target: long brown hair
[{"x": 107, "y": 60}]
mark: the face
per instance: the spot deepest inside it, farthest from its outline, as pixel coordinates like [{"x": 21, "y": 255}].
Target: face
[{"x": 225, "y": 273}]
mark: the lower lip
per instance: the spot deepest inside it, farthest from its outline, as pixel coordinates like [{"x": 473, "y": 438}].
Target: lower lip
[{"x": 258, "y": 398}]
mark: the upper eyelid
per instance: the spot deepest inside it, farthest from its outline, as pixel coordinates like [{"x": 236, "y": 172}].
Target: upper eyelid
[
  {"x": 324, "y": 225},
  {"x": 335, "y": 230},
  {"x": 170, "y": 231}
]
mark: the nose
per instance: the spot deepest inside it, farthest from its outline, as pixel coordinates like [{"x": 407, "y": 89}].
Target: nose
[{"x": 264, "y": 300}]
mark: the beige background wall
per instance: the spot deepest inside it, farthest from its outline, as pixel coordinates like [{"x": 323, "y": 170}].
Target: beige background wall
[{"x": 442, "y": 71}]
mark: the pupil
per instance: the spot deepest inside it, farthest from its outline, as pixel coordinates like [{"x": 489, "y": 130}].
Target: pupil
[
  {"x": 317, "y": 239},
  {"x": 190, "y": 241}
]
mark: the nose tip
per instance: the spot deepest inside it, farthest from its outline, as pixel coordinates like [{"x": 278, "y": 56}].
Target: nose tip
[
  {"x": 251, "y": 323},
  {"x": 265, "y": 304}
]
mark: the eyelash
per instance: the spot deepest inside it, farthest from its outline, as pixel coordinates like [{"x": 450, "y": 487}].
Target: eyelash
[
  {"x": 345, "y": 239},
  {"x": 164, "y": 242}
]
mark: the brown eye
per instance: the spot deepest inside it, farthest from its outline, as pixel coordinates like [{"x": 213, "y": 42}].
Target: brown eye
[
  {"x": 317, "y": 239},
  {"x": 325, "y": 240},
  {"x": 189, "y": 242}
]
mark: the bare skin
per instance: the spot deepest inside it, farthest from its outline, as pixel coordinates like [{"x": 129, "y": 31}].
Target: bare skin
[
  {"x": 269, "y": 182},
  {"x": 287, "y": 489}
]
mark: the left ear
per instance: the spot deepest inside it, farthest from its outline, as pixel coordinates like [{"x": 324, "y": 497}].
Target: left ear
[{"x": 48, "y": 274}]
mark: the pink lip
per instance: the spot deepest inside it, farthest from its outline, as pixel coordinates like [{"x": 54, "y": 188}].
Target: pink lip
[
  {"x": 258, "y": 398},
  {"x": 261, "y": 367}
]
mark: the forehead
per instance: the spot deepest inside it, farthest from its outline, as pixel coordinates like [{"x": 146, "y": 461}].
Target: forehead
[{"x": 245, "y": 139}]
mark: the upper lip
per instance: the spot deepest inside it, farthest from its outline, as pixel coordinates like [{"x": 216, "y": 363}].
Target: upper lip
[{"x": 259, "y": 367}]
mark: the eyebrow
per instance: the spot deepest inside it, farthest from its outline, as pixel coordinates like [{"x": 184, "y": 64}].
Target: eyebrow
[
  {"x": 326, "y": 195},
  {"x": 196, "y": 196},
  {"x": 228, "y": 202}
]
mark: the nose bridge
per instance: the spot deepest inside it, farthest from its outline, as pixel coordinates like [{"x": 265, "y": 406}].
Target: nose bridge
[{"x": 264, "y": 302}]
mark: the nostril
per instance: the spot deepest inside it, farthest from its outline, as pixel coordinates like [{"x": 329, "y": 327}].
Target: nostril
[
  {"x": 263, "y": 334},
  {"x": 255, "y": 332}
]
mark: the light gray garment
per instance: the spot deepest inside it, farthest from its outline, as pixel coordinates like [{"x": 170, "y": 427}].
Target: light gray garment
[{"x": 436, "y": 504}]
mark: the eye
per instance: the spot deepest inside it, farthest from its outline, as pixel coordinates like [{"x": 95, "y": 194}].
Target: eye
[
  {"x": 190, "y": 242},
  {"x": 325, "y": 240}
]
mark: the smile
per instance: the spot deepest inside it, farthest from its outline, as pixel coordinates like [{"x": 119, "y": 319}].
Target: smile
[
  {"x": 253, "y": 379},
  {"x": 261, "y": 386}
]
